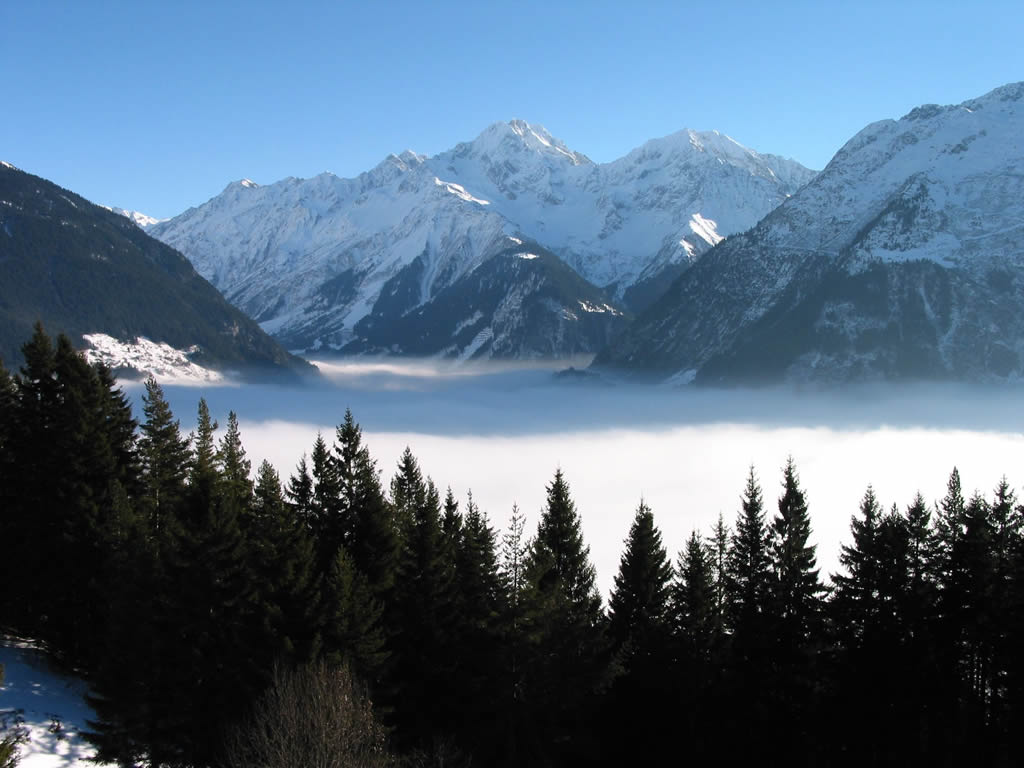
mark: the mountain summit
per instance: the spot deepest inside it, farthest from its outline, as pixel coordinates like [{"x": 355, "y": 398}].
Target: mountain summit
[
  {"x": 903, "y": 258},
  {"x": 311, "y": 258}
]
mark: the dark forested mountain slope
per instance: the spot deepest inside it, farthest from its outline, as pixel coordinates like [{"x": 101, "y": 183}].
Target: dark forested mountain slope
[
  {"x": 523, "y": 302},
  {"x": 80, "y": 268}
]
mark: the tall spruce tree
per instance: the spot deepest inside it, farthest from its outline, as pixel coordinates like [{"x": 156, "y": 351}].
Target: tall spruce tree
[
  {"x": 1006, "y": 521},
  {"x": 352, "y": 631},
  {"x": 720, "y": 538},
  {"x": 325, "y": 502},
  {"x": 697, "y": 639},
  {"x": 32, "y": 521},
  {"x": 515, "y": 627},
  {"x": 9, "y": 525},
  {"x": 165, "y": 462},
  {"x": 638, "y": 615},
  {"x": 640, "y": 632},
  {"x": 694, "y": 602},
  {"x": 283, "y": 560},
  {"x": 568, "y": 625},
  {"x": 796, "y": 587},
  {"x": 203, "y": 474},
  {"x": 235, "y": 468},
  {"x": 300, "y": 493},
  {"x": 749, "y": 575},
  {"x": 477, "y": 632},
  {"x": 365, "y": 520},
  {"x": 419, "y": 612}
]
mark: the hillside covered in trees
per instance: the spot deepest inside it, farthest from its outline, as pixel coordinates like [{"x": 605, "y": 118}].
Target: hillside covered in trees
[{"x": 209, "y": 605}]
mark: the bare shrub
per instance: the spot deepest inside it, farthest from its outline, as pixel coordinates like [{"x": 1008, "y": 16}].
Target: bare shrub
[{"x": 314, "y": 716}]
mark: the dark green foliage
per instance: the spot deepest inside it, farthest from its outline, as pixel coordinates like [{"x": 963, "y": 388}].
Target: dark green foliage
[
  {"x": 748, "y": 575},
  {"x": 8, "y": 515},
  {"x": 352, "y": 619},
  {"x": 300, "y": 492},
  {"x": 365, "y": 522},
  {"x": 796, "y": 588},
  {"x": 235, "y": 485},
  {"x": 203, "y": 474},
  {"x": 640, "y": 632},
  {"x": 516, "y": 628},
  {"x": 325, "y": 502},
  {"x": 568, "y": 647},
  {"x": 638, "y": 607},
  {"x": 694, "y": 605},
  {"x": 179, "y": 584},
  {"x": 477, "y": 629},
  {"x": 698, "y": 643},
  {"x": 856, "y": 590},
  {"x": 283, "y": 558},
  {"x": 421, "y": 610},
  {"x": 165, "y": 462}
]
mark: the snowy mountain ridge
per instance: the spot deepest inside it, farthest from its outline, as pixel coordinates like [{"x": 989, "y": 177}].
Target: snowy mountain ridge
[
  {"x": 903, "y": 257},
  {"x": 309, "y": 258},
  {"x": 141, "y": 220}
]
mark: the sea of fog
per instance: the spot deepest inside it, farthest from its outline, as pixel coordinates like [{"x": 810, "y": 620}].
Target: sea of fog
[{"x": 501, "y": 432}]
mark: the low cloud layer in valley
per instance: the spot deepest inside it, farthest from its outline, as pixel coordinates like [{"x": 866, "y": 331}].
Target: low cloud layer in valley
[{"x": 502, "y": 433}]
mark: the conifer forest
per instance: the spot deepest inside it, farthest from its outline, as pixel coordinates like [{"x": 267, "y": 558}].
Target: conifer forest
[{"x": 358, "y": 615}]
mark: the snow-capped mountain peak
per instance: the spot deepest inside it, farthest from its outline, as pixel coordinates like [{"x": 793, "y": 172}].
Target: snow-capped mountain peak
[
  {"x": 141, "y": 220},
  {"x": 517, "y": 137},
  {"x": 309, "y": 259},
  {"x": 901, "y": 258}
]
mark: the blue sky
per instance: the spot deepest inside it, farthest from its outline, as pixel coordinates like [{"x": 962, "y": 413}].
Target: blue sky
[{"x": 157, "y": 106}]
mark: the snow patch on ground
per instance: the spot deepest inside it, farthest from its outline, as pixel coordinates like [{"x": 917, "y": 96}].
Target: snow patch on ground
[
  {"x": 49, "y": 707},
  {"x": 527, "y": 256},
  {"x": 165, "y": 363}
]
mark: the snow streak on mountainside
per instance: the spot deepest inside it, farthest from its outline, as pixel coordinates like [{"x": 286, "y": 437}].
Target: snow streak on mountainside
[
  {"x": 309, "y": 258},
  {"x": 903, "y": 258}
]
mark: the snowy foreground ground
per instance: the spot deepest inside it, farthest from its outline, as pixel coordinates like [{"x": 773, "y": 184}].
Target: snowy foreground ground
[{"x": 51, "y": 708}]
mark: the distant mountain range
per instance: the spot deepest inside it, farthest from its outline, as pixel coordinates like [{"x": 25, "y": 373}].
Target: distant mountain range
[
  {"x": 692, "y": 259},
  {"x": 904, "y": 258},
  {"x": 329, "y": 263},
  {"x": 83, "y": 269}
]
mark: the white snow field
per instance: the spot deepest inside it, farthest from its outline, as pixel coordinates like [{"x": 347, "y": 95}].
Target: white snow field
[{"x": 49, "y": 707}]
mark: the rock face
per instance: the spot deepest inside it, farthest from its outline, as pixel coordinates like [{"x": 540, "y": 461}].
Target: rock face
[
  {"x": 904, "y": 258},
  {"x": 310, "y": 259},
  {"x": 83, "y": 269}
]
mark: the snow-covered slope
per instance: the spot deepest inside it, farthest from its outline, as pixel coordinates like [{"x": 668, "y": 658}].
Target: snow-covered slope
[
  {"x": 49, "y": 709},
  {"x": 141, "y": 220},
  {"x": 662, "y": 204},
  {"x": 148, "y": 358},
  {"x": 308, "y": 258},
  {"x": 904, "y": 257},
  {"x": 80, "y": 268}
]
